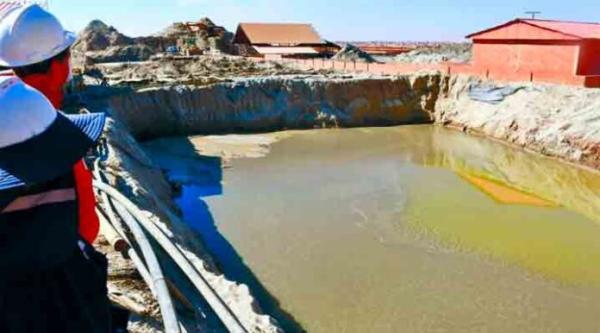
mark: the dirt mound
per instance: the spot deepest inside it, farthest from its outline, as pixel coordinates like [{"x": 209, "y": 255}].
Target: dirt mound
[
  {"x": 98, "y": 36},
  {"x": 353, "y": 53},
  {"x": 443, "y": 52},
  {"x": 99, "y": 43}
]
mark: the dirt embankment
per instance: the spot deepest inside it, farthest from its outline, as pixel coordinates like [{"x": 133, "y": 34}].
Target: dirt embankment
[
  {"x": 133, "y": 172},
  {"x": 557, "y": 121},
  {"x": 275, "y": 103}
]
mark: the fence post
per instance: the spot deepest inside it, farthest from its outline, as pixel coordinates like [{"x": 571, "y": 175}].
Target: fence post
[
  {"x": 531, "y": 77},
  {"x": 354, "y": 61}
]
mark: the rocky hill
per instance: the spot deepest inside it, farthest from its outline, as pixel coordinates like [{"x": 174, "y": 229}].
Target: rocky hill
[
  {"x": 101, "y": 43},
  {"x": 98, "y": 36}
]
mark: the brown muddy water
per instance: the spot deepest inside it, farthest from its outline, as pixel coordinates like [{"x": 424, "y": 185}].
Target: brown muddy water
[{"x": 404, "y": 229}]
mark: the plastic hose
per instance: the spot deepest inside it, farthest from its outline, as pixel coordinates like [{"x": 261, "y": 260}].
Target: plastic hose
[{"x": 225, "y": 314}]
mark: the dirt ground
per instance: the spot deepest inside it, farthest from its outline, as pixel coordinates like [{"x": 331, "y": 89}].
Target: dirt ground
[
  {"x": 197, "y": 70},
  {"x": 127, "y": 290}
]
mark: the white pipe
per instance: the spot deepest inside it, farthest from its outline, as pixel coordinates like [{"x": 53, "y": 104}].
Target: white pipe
[
  {"x": 226, "y": 315},
  {"x": 151, "y": 272},
  {"x": 158, "y": 279},
  {"x": 137, "y": 260}
]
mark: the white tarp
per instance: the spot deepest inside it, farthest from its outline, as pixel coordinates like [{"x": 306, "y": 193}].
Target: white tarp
[{"x": 285, "y": 50}]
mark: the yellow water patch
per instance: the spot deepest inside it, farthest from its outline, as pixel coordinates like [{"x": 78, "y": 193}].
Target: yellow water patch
[
  {"x": 554, "y": 242},
  {"x": 504, "y": 193}
]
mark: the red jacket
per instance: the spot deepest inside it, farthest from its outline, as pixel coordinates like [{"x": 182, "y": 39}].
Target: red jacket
[{"x": 89, "y": 224}]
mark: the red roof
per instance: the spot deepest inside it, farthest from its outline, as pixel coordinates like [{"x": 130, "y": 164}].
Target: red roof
[
  {"x": 280, "y": 33},
  {"x": 580, "y": 30}
]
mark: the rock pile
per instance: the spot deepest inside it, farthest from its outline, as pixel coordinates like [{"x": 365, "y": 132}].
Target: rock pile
[
  {"x": 353, "y": 53},
  {"x": 203, "y": 35}
]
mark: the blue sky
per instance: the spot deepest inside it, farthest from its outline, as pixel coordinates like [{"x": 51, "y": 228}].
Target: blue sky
[{"x": 393, "y": 20}]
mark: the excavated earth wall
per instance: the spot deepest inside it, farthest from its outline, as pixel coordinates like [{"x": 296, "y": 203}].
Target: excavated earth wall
[
  {"x": 557, "y": 121},
  {"x": 276, "y": 103}
]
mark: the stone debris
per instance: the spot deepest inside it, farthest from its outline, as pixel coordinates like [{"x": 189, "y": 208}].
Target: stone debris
[
  {"x": 202, "y": 36},
  {"x": 353, "y": 53}
]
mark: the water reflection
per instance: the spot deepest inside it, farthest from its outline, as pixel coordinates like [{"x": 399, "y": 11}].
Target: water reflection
[
  {"x": 570, "y": 187},
  {"x": 504, "y": 193},
  {"x": 552, "y": 242}
]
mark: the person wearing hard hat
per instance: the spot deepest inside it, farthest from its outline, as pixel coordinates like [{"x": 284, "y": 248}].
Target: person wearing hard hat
[
  {"x": 34, "y": 44},
  {"x": 48, "y": 283}
]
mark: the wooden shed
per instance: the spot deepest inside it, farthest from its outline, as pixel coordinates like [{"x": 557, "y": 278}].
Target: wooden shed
[{"x": 277, "y": 40}]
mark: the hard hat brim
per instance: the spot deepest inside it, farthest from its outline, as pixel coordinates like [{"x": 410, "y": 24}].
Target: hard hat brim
[
  {"x": 52, "y": 153},
  {"x": 69, "y": 39}
]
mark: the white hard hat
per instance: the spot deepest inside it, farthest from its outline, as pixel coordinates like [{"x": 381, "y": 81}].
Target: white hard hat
[
  {"x": 29, "y": 35},
  {"x": 37, "y": 143},
  {"x": 25, "y": 112}
]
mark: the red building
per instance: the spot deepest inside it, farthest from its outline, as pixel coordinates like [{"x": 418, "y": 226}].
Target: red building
[{"x": 539, "y": 50}]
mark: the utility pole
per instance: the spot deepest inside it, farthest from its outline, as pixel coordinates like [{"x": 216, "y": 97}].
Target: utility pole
[{"x": 533, "y": 13}]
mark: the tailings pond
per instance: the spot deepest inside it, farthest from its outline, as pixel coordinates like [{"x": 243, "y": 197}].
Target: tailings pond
[{"x": 412, "y": 229}]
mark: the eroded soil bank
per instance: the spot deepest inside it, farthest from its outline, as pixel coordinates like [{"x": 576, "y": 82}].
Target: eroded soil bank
[
  {"x": 553, "y": 120},
  {"x": 276, "y": 103}
]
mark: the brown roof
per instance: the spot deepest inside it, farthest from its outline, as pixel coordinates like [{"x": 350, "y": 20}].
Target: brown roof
[{"x": 280, "y": 33}]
